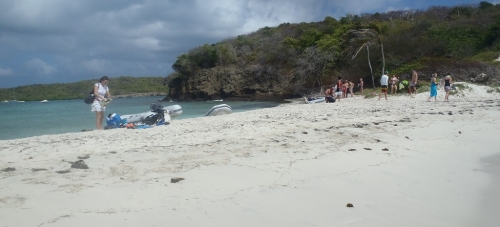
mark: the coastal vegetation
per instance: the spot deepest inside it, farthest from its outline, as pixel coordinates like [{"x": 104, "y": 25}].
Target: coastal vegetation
[
  {"x": 121, "y": 86},
  {"x": 298, "y": 59}
]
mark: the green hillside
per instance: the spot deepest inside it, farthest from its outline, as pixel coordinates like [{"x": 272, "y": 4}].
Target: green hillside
[
  {"x": 292, "y": 59},
  {"x": 123, "y": 85}
]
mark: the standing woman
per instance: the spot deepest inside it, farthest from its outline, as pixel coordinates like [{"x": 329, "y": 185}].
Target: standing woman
[
  {"x": 360, "y": 85},
  {"x": 434, "y": 85},
  {"x": 345, "y": 88},
  {"x": 447, "y": 86},
  {"x": 338, "y": 89},
  {"x": 394, "y": 84},
  {"x": 351, "y": 88},
  {"x": 101, "y": 94}
]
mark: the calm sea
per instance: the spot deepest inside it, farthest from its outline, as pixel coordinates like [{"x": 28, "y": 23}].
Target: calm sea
[{"x": 26, "y": 119}]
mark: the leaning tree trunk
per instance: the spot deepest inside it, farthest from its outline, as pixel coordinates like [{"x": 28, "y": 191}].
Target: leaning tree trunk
[
  {"x": 383, "y": 57},
  {"x": 370, "y": 64}
]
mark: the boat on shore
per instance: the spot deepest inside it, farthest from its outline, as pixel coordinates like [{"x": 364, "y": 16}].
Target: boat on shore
[
  {"x": 314, "y": 100},
  {"x": 219, "y": 110},
  {"x": 172, "y": 111}
]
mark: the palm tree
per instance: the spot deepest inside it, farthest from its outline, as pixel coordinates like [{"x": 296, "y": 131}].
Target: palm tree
[{"x": 364, "y": 38}]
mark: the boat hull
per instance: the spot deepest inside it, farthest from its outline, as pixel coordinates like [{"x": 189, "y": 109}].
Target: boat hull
[
  {"x": 219, "y": 110},
  {"x": 170, "y": 111}
]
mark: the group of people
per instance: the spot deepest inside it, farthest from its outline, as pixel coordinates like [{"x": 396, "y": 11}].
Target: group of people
[
  {"x": 342, "y": 89},
  {"x": 412, "y": 85},
  {"x": 446, "y": 82},
  {"x": 394, "y": 84}
]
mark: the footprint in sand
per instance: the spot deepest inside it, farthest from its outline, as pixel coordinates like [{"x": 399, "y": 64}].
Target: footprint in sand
[
  {"x": 12, "y": 202},
  {"x": 9, "y": 169},
  {"x": 73, "y": 188}
]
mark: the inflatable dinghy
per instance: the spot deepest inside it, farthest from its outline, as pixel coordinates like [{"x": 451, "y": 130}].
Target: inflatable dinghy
[
  {"x": 170, "y": 111},
  {"x": 219, "y": 110},
  {"x": 173, "y": 110},
  {"x": 314, "y": 100}
]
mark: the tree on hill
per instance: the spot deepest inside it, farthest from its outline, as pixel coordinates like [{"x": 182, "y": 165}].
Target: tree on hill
[
  {"x": 294, "y": 59},
  {"x": 363, "y": 38}
]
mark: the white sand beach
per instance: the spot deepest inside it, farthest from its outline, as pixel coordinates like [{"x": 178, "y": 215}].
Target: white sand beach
[{"x": 400, "y": 162}]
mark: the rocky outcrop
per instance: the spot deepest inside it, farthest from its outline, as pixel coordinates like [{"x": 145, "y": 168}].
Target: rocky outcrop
[
  {"x": 481, "y": 78},
  {"x": 228, "y": 83}
]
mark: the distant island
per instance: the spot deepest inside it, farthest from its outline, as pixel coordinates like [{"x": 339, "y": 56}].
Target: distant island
[{"x": 123, "y": 86}]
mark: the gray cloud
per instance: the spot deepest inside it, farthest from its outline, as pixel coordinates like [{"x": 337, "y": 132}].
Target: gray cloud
[
  {"x": 64, "y": 41},
  {"x": 5, "y": 72}
]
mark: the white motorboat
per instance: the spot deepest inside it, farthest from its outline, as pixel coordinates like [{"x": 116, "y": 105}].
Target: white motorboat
[
  {"x": 44, "y": 101},
  {"x": 219, "y": 110},
  {"x": 172, "y": 111}
]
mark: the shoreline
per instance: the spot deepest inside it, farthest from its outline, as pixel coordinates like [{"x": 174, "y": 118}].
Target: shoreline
[{"x": 401, "y": 162}]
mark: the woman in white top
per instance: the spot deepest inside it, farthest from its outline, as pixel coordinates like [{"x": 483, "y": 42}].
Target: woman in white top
[{"x": 101, "y": 94}]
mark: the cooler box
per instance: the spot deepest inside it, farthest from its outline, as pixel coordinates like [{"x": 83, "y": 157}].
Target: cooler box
[{"x": 115, "y": 120}]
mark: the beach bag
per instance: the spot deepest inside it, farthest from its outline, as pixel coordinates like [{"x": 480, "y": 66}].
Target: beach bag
[{"x": 90, "y": 97}]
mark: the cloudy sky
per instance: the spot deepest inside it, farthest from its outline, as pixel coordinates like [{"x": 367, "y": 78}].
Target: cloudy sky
[{"x": 60, "y": 41}]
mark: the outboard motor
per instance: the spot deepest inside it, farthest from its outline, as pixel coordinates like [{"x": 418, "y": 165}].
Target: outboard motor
[{"x": 158, "y": 116}]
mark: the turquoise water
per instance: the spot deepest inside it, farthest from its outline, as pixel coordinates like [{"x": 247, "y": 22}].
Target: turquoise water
[{"x": 19, "y": 120}]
